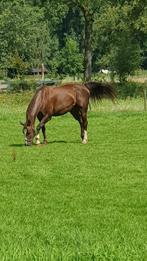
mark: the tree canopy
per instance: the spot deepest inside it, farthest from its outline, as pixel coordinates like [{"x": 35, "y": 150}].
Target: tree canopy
[{"x": 74, "y": 36}]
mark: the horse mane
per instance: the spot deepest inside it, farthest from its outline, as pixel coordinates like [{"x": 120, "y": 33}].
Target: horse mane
[
  {"x": 32, "y": 102},
  {"x": 40, "y": 94},
  {"x": 100, "y": 90}
]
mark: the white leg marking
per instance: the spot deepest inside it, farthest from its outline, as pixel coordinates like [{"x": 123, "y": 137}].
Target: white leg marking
[
  {"x": 84, "y": 141},
  {"x": 37, "y": 139}
]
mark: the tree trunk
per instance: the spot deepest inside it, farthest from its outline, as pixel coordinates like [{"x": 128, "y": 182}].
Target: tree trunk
[{"x": 88, "y": 47}]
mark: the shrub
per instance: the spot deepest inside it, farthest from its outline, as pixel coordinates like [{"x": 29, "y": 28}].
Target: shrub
[
  {"x": 21, "y": 85},
  {"x": 129, "y": 89}
]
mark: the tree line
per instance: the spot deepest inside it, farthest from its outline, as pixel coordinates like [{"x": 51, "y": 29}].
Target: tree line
[{"x": 74, "y": 37}]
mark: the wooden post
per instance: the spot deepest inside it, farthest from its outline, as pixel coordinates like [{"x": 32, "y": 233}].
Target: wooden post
[
  {"x": 145, "y": 98},
  {"x": 144, "y": 93},
  {"x": 42, "y": 71}
]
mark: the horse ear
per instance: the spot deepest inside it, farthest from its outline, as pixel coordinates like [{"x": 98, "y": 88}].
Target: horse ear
[{"x": 21, "y": 123}]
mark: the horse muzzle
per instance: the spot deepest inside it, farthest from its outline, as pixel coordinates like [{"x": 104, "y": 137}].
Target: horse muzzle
[{"x": 28, "y": 143}]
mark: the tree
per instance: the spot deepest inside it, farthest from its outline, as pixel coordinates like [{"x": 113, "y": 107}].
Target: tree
[
  {"x": 89, "y": 9},
  {"x": 138, "y": 16},
  {"x": 117, "y": 31},
  {"x": 54, "y": 13},
  {"x": 125, "y": 56},
  {"x": 34, "y": 31},
  {"x": 23, "y": 36},
  {"x": 71, "y": 58}
]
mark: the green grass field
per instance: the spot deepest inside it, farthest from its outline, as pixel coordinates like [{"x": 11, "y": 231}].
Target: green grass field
[{"x": 69, "y": 201}]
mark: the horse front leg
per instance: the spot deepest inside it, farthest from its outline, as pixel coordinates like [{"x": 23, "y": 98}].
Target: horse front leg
[
  {"x": 37, "y": 138},
  {"x": 41, "y": 125},
  {"x": 44, "y": 134}
]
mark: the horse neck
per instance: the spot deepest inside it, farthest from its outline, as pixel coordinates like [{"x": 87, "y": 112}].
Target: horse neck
[
  {"x": 32, "y": 112},
  {"x": 30, "y": 120}
]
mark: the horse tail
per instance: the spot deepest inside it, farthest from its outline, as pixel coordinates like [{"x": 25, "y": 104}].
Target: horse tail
[{"x": 99, "y": 90}]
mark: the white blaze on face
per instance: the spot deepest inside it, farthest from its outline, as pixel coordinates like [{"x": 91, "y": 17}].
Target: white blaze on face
[
  {"x": 84, "y": 141},
  {"x": 37, "y": 139}
]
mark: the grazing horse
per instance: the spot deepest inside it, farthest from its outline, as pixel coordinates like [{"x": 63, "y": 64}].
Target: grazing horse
[{"x": 55, "y": 101}]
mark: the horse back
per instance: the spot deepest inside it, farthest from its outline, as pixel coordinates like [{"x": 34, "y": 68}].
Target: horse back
[{"x": 57, "y": 100}]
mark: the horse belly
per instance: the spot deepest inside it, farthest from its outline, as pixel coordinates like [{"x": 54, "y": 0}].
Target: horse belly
[{"x": 63, "y": 105}]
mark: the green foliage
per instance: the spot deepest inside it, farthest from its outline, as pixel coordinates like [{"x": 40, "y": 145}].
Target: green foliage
[
  {"x": 90, "y": 6},
  {"x": 21, "y": 85},
  {"x": 23, "y": 36},
  {"x": 120, "y": 47},
  {"x": 33, "y": 32},
  {"x": 17, "y": 63},
  {"x": 129, "y": 89},
  {"x": 55, "y": 11},
  {"x": 71, "y": 58},
  {"x": 54, "y": 57},
  {"x": 125, "y": 56}
]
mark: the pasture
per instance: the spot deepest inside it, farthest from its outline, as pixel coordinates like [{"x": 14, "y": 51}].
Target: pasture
[{"x": 69, "y": 201}]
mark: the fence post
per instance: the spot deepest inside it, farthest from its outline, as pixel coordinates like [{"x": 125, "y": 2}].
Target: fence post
[
  {"x": 42, "y": 71},
  {"x": 145, "y": 96}
]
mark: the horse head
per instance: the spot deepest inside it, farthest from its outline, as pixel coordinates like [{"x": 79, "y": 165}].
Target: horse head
[{"x": 29, "y": 132}]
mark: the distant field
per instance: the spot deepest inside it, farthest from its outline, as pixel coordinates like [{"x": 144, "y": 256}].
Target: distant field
[{"x": 69, "y": 201}]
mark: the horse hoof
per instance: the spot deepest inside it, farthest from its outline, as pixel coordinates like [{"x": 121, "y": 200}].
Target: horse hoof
[
  {"x": 84, "y": 141},
  {"x": 37, "y": 142},
  {"x": 45, "y": 142}
]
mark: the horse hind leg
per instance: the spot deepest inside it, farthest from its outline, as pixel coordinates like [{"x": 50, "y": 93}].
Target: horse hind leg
[
  {"x": 84, "y": 127},
  {"x": 81, "y": 117}
]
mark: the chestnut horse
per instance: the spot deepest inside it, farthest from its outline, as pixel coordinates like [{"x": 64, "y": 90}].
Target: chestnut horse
[{"x": 55, "y": 101}]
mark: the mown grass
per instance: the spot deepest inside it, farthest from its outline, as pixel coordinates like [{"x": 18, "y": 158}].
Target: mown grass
[{"x": 69, "y": 201}]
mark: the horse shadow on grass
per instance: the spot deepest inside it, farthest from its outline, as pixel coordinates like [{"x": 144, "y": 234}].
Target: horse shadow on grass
[
  {"x": 62, "y": 141},
  {"x": 16, "y": 145},
  {"x": 48, "y": 143}
]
